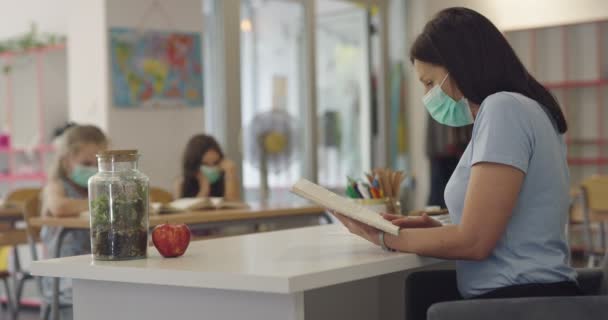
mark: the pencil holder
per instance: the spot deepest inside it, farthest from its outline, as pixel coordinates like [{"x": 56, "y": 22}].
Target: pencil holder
[{"x": 393, "y": 205}]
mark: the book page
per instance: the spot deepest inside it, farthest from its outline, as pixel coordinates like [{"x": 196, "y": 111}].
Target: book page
[
  {"x": 184, "y": 204},
  {"x": 328, "y": 199}
]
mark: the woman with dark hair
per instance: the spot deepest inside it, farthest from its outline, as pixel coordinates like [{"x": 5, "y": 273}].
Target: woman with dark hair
[
  {"x": 508, "y": 197},
  {"x": 206, "y": 172}
]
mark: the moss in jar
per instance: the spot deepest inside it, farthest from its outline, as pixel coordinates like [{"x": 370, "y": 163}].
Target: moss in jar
[{"x": 119, "y": 226}]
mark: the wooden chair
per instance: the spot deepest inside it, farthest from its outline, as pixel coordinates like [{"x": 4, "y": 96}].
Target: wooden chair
[
  {"x": 32, "y": 209},
  {"x": 17, "y": 198},
  {"x": 11, "y": 238},
  {"x": 24, "y": 199},
  {"x": 20, "y": 196},
  {"x": 160, "y": 195},
  {"x": 594, "y": 193}
]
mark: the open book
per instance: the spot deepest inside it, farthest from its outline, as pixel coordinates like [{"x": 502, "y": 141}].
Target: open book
[
  {"x": 330, "y": 200},
  {"x": 188, "y": 204}
]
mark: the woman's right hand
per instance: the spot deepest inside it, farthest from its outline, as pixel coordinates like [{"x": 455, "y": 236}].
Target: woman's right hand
[{"x": 423, "y": 221}]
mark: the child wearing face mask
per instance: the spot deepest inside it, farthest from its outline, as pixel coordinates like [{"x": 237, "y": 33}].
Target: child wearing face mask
[
  {"x": 65, "y": 193},
  {"x": 206, "y": 172}
]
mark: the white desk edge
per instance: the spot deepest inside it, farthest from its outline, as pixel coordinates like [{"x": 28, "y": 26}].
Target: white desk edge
[{"x": 363, "y": 260}]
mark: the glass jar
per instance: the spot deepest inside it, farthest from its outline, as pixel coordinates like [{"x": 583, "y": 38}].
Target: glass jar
[{"x": 118, "y": 205}]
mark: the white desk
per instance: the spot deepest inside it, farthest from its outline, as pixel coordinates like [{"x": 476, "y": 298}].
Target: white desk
[{"x": 288, "y": 275}]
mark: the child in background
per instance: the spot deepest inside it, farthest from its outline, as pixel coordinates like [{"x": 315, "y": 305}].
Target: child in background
[
  {"x": 65, "y": 194},
  {"x": 206, "y": 172}
]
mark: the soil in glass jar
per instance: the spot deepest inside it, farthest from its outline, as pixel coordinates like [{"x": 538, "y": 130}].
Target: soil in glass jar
[{"x": 119, "y": 225}]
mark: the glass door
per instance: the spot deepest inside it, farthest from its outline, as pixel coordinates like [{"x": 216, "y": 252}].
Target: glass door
[
  {"x": 343, "y": 91},
  {"x": 299, "y": 95},
  {"x": 271, "y": 94}
]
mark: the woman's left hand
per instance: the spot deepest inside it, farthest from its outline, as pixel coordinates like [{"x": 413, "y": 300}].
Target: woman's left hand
[
  {"x": 227, "y": 166},
  {"x": 366, "y": 232}
]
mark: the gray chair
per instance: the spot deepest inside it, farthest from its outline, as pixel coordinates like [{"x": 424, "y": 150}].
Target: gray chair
[{"x": 593, "y": 306}]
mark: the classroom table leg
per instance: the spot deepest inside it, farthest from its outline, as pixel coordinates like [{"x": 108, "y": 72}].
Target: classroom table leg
[
  {"x": 10, "y": 302},
  {"x": 17, "y": 273},
  {"x": 56, "y": 253}
]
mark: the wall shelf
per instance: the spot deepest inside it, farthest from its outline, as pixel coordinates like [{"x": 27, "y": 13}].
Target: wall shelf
[
  {"x": 32, "y": 161},
  {"x": 576, "y": 84},
  {"x": 36, "y": 176},
  {"x": 572, "y": 61},
  {"x": 40, "y": 148},
  {"x": 588, "y": 161},
  {"x": 582, "y": 142},
  {"x": 36, "y": 50}
]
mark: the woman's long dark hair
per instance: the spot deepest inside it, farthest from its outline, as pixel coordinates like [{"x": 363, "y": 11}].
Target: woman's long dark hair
[
  {"x": 197, "y": 146},
  {"x": 480, "y": 60}
]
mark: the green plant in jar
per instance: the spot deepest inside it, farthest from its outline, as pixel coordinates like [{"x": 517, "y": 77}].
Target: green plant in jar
[{"x": 118, "y": 200}]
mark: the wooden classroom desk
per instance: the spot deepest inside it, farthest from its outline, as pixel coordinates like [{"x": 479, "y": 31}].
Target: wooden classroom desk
[
  {"x": 10, "y": 214},
  {"x": 321, "y": 272},
  {"x": 255, "y": 212}
]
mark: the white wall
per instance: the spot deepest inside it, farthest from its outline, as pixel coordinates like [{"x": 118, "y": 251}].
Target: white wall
[
  {"x": 519, "y": 14},
  {"x": 87, "y": 61},
  {"x": 159, "y": 135},
  {"x": 49, "y": 15},
  {"x": 26, "y": 97},
  {"x": 507, "y": 15}
]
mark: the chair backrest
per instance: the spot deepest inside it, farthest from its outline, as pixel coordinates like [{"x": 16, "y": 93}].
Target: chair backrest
[
  {"x": 20, "y": 196},
  {"x": 595, "y": 192},
  {"x": 31, "y": 209},
  {"x": 13, "y": 237},
  {"x": 160, "y": 195},
  {"x": 595, "y": 209},
  {"x": 17, "y": 198}
]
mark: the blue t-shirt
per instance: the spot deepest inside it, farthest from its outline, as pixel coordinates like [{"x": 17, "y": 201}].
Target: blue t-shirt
[{"x": 514, "y": 130}]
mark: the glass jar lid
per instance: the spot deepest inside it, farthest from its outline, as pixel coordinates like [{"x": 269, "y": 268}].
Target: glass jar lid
[{"x": 118, "y": 155}]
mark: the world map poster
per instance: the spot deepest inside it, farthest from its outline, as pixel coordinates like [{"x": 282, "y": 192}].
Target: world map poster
[{"x": 153, "y": 68}]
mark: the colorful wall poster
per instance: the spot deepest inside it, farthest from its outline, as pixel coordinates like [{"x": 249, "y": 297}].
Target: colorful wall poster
[{"x": 155, "y": 68}]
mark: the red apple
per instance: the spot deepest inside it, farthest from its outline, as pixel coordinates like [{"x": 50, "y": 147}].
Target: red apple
[{"x": 171, "y": 240}]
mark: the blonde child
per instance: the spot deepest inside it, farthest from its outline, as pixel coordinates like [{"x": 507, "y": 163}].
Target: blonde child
[{"x": 65, "y": 194}]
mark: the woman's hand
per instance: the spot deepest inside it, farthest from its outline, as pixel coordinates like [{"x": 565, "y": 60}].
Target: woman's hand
[
  {"x": 423, "y": 221},
  {"x": 366, "y": 232}
]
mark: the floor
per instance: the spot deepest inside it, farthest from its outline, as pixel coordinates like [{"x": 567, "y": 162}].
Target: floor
[
  {"x": 27, "y": 313},
  {"x": 30, "y": 314}
]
